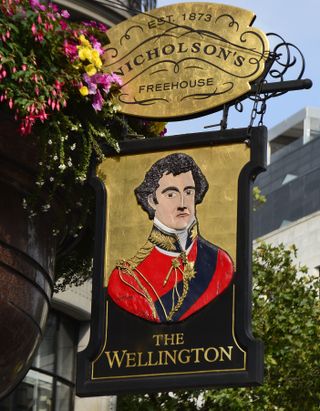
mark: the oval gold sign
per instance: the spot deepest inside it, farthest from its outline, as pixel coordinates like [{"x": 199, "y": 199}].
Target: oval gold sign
[{"x": 181, "y": 60}]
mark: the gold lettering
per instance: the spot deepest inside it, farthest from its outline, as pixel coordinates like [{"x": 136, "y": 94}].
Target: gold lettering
[
  {"x": 180, "y": 338},
  {"x": 186, "y": 359},
  {"x": 172, "y": 355},
  {"x": 157, "y": 337},
  {"x": 160, "y": 358},
  {"x": 206, "y": 354},
  {"x": 115, "y": 357},
  {"x": 197, "y": 351},
  {"x": 169, "y": 339},
  {"x": 227, "y": 354},
  {"x": 196, "y": 355},
  {"x": 131, "y": 359},
  {"x": 140, "y": 364},
  {"x": 150, "y": 355}
]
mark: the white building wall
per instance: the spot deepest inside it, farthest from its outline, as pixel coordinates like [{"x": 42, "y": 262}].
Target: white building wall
[
  {"x": 305, "y": 235},
  {"x": 76, "y": 302}
]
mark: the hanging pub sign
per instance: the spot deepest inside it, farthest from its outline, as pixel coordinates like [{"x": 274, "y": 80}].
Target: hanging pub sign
[
  {"x": 172, "y": 267},
  {"x": 181, "y": 60},
  {"x": 172, "y": 271}
]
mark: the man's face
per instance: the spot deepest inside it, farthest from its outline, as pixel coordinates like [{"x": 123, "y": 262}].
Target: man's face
[{"x": 175, "y": 206}]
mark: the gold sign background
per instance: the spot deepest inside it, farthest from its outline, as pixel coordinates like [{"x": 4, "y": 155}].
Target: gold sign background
[
  {"x": 128, "y": 226},
  {"x": 184, "y": 59}
]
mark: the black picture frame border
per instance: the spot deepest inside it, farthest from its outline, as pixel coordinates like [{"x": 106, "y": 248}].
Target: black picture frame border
[{"x": 256, "y": 138}]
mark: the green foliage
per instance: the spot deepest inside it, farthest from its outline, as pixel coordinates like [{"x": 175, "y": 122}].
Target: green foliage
[
  {"x": 286, "y": 313},
  {"x": 258, "y": 198},
  {"x": 54, "y": 86}
]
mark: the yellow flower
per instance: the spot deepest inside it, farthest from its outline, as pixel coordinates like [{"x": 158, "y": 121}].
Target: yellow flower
[
  {"x": 85, "y": 53},
  {"x": 157, "y": 127},
  {"x": 84, "y": 90},
  {"x": 84, "y": 41},
  {"x": 90, "y": 70},
  {"x": 97, "y": 62},
  {"x": 95, "y": 54}
]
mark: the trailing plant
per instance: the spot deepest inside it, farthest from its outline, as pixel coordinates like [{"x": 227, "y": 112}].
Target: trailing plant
[{"x": 53, "y": 84}]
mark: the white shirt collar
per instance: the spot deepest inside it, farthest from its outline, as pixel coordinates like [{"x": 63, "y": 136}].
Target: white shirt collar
[{"x": 181, "y": 234}]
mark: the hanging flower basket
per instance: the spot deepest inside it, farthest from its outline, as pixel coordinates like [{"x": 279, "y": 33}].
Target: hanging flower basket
[
  {"x": 57, "y": 110},
  {"x": 27, "y": 256}
]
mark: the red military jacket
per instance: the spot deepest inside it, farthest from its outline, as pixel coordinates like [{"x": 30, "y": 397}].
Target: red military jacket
[{"x": 163, "y": 283}]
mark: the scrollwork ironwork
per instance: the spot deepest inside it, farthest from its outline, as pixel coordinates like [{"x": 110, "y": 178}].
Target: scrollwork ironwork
[{"x": 285, "y": 60}]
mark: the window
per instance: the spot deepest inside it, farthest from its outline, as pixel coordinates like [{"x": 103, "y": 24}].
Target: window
[{"x": 49, "y": 384}]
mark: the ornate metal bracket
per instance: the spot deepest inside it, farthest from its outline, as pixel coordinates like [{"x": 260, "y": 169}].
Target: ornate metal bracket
[{"x": 284, "y": 61}]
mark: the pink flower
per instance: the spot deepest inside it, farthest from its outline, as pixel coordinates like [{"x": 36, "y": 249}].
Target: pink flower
[
  {"x": 34, "y": 29},
  {"x": 97, "y": 101},
  {"x": 100, "y": 26},
  {"x": 51, "y": 16},
  {"x": 40, "y": 36},
  {"x": 163, "y": 132},
  {"x": 97, "y": 83},
  {"x": 70, "y": 50},
  {"x": 48, "y": 26},
  {"x": 65, "y": 14},
  {"x": 63, "y": 25},
  {"x": 116, "y": 79},
  {"x": 96, "y": 44},
  {"x": 91, "y": 83},
  {"x": 58, "y": 85},
  {"x": 35, "y": 4},
  {"x": 54, "y": 7}
]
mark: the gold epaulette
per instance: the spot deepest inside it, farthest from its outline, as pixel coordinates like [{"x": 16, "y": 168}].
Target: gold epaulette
[
  {"x": 133, "y": 262},
  {"x": 164, "y": 241}
]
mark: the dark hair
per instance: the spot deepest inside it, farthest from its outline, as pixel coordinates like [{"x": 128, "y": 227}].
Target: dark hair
[{"x": 172, "y": 164}]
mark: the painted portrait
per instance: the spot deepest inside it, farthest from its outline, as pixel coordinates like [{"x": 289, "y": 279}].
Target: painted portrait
[
  {"x": 172, "y": 267},
  {"x": 177, "y": 271}
]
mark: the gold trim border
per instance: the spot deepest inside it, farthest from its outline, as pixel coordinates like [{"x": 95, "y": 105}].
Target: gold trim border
[{"x": 172, "y": 373}]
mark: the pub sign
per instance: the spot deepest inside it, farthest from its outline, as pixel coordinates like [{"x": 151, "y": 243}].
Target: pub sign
[
  {"x": 182, "y": 60},
  {"x": 171, "y": 305},
  {"x": 172, "y": 271}
]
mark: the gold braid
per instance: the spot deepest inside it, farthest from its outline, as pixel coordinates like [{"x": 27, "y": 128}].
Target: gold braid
[
  {"x": 144, "y": 251},
  {"x": 181, "y": 298},
  {"x": 130, "y": 266}
]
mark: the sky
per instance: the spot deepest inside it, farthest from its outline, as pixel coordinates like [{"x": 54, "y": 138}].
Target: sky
[{"x": 298, "y": 23}]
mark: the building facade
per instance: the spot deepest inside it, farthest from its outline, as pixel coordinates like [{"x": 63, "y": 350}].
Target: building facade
[
  {"x": 291, "y": 214},
  {"x": 50, "y": 383}
]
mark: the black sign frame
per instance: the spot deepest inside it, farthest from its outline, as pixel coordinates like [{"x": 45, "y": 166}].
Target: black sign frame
[{"x": 256, "y": 138}]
